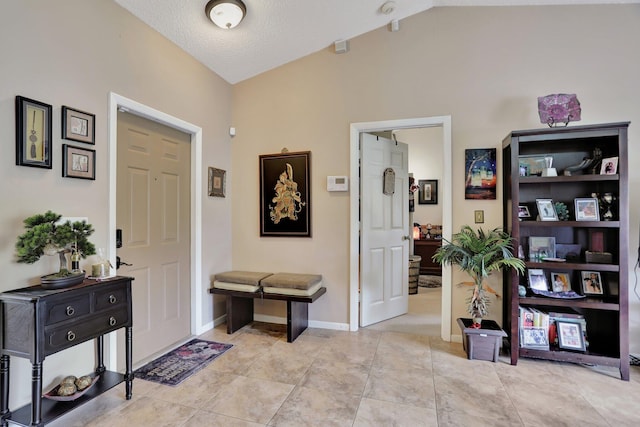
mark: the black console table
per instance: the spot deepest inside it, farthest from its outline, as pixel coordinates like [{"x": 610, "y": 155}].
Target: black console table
[{"x": 38, "y": 322}]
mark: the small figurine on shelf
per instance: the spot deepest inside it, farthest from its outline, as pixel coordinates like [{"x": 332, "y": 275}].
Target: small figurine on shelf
[{"x": 606, "y": 204}]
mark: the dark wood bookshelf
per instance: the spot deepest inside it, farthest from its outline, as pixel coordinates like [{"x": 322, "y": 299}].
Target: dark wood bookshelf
[{"x": 606, "y": 315}]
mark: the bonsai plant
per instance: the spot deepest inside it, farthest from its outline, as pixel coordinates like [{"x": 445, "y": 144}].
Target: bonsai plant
[
  {"x": 478, "y": 253},
  {"x": 44, "y": 235}
]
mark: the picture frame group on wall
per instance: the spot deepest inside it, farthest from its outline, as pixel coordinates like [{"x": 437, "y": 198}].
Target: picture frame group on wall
[
  {"x": 428, "y": 192},
  {"x": 78, "y": 125},
  {"x": 285, "y": 194},
  {"x": 78, "y": 162},
  {"x": 217, "y": 182},
  {"x": 33, "y": 133}
]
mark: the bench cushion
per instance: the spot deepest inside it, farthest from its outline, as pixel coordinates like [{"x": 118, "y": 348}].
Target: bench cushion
[
  {"x": 291, "y": 283},
  {"x": 245, "y": 281}
]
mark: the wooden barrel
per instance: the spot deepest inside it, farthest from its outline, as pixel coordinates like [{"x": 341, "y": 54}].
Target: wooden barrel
[{"x": 414, "y": 273}]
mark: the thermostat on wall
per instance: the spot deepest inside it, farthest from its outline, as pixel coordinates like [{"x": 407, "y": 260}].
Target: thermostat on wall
[{"x": 337, "y": 183}]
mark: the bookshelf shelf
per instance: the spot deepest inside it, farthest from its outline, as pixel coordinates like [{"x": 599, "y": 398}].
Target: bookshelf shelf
[{"x": 605, "y": 317}]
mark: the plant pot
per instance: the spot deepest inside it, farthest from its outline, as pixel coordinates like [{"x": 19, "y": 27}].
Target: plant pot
[
  {"x": 483, "y": 343},
  {"x": 52, "y": 282}
]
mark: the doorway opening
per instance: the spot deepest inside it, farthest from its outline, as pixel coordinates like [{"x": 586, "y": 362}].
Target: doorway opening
[
  {"x": 118, "y": 102},
  {"x": 446, "y": 200}
]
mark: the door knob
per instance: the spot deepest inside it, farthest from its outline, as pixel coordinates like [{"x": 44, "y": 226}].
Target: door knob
[
  {"x": 406, "y": 237},
  {"x": 119, "y": 262}
]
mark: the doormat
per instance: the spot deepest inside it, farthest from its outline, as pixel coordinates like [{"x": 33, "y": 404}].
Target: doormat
[
  {"x": 430, "y": 281},
  {"x": 179, "y": 364}
]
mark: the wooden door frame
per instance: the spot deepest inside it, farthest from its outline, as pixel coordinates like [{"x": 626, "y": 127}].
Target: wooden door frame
[
  {"x": 447, "y": 209},
  {"x": 118, "y": 102}
]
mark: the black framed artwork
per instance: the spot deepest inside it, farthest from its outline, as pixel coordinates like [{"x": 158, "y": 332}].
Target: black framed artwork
[
  {"x": 78, "y": 125},
  {"x": 285, "y": 194},
  {"x": 33, "y": 133},
  {"x": 78, "y": 162},
  {"x": 480, "y": 174},
  {"x": 428, "y": 192}
]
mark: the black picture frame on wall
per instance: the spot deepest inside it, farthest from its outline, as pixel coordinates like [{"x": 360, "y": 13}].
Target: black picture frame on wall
[
  {"x": 33, "y": 133},
  {"x": 285, "y": 194},
  {"x": 78, "y": 162},
  {"x": 78, "y": 125},
  {"x": 428, "y": 192}
]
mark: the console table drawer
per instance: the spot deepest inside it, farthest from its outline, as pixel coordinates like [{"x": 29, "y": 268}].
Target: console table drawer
[
  {"x": 67, "y": 309},
  {"x": 59, "y": 338},
  {"x": 110, "y": 298}
]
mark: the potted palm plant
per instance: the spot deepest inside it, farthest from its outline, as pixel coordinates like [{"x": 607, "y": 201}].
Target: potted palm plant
[
  {"x": 45, "y": 235},
  {"x": 479, "y": 253}
]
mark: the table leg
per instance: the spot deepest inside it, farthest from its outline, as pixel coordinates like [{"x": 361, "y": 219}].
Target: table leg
[
  {"x": 4, "y": 389},
  {"x": 297, "y": 319},
  {"x": 128, "y": 376},
  {"x": 36, "y": 394},
  {"x": 100, "y": 350}
]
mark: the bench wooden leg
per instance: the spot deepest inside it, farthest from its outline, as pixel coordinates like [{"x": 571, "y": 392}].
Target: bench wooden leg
[
  {"x": 297, "y": 319},
  {"x": 239, "y": 313}
]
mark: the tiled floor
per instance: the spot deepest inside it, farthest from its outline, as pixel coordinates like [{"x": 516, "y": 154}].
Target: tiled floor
[{"x": 367, "y": 378}]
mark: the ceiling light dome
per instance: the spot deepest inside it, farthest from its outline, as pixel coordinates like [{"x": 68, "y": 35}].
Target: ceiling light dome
[{"x": 226, "y": 13}]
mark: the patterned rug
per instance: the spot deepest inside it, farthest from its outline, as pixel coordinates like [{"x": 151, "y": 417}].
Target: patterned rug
[
  {"x": 430, "y": 281},
  {"x": 179, "y": 364}
]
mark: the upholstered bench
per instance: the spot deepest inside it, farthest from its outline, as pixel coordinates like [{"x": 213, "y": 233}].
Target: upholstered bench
[
  {"x": 298, "y": 290},
  {"x": 245, "y": 281}
]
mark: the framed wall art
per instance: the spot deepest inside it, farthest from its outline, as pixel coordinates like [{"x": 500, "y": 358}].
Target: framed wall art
[
  {"x": 285, "y": 194},
  {"x": 428, "y": 192},
  {"x": 33, "y": 133},
  {"x": 78, "y": 162},
  {"x": 480, "y": 174},
  {"x": 78, "y": 125},
  {"x": 217, "y": 182}
]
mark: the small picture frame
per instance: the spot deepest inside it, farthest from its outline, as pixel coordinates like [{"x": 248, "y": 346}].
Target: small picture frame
[
  {"x": 428, "y": 192},
  {"x": 537, "y": 279},
  {"x": 570, "y": 335},
  {"x": 78, "y": 162},
  {"x": 33, "y": 133},
  {"x": 592, "y": 283},
  {"x": 541, "y": 248},
  {"x": 217, "y": 182},
  {"x": 560, "y": 282},
  {"x": 546, "y": 210},
  {"x": 535, "y": 337},
  {"x": 587, "y": 209},
  {"x": 478, "y": 216},
  {"x": 609, "y": 166},
  {"x": 78, "y": 125},
  {"x": 523, "y": 212}
]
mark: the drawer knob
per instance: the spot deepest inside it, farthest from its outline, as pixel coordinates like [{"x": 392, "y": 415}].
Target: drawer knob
[
  {"x": 70, "y": 311},
  {"x": 112, "y": 299},
  {"x": 71, "y": 336},
  {"x": 112, "y": 321}
]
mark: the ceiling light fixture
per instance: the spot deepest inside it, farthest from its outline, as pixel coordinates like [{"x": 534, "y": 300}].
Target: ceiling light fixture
[{"x": 226, "y": 13}]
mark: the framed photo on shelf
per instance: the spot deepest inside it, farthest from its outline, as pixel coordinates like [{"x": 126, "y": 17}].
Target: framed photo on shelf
[
  {"x": 78, "y": 162},
  {"x": 546, "y": 210},
  {"x": 33, "y": 133},
  {"x": 541, "y": 248},
  {"x": 217, "y": 182},
  {"x": 428, "y": 192},
  {"x": 570, "y": 335},
  {"x": 587, "y": 209},
  {"x": 592, "y": 283},
  {"x": 78, "y": 125},
  {"x": 609, "y": 166},
  {"x": 560, "y": 282},
  {"x": 537, "y": 279},
  {"x": 285, "y": 194},
  {"x": 531, "y": 165},
  {"x": 523, "y": 212},
  {"x": 535, "y": 337}
]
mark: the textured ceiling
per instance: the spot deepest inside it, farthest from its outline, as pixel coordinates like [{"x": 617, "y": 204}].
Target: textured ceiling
[{"x": 275, "y": 32}]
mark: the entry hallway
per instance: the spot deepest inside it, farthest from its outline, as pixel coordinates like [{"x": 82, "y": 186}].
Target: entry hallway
[{"x": 367, "y": 378}]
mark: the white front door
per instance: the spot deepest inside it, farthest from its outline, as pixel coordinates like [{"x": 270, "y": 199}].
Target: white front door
[
  {"x": 153, "y": 211},
  {"x": 384, "y": 243}
]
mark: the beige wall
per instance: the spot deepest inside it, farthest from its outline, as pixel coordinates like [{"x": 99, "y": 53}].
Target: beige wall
[
  {"x": 74, "y": 53},
  {"x": 484, "y": 66}
]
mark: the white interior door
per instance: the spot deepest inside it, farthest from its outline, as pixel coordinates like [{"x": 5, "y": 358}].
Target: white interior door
[
  {"x": 153, "y": 211},
  {"x": 384, "y": 240}
]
